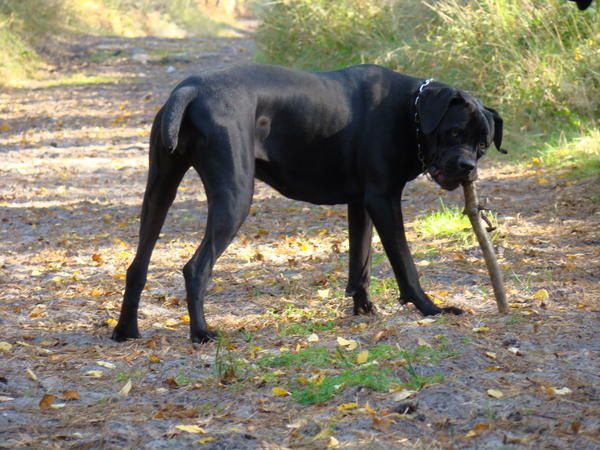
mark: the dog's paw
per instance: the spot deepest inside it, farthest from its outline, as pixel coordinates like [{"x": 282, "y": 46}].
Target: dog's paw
[
  {"x": 452, "y": 310},
  {"x": 363, "y": 306},
  {"x": 204, "y": 336},
  {"x": 121, "y": 334}
]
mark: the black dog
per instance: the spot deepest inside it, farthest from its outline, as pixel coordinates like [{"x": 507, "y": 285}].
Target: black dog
[
  {"x": 354, "y": 136},
  {"x": 582, "y": 4}
]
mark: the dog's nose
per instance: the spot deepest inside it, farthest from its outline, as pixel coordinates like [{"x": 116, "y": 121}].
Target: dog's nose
[{"x": 466, "y": 164}]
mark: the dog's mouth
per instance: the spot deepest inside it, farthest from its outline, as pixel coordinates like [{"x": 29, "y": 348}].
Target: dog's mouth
[{"x": 446, "y": 182}]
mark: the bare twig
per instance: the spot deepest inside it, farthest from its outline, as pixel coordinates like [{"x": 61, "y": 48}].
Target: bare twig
[{"x": 472, "y": 210}]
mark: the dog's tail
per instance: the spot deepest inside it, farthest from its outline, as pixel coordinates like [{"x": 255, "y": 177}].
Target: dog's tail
[{"x": 173, "y": 114}]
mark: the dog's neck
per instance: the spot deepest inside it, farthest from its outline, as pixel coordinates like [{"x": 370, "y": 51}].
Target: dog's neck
[{"x": 417, "y": 121}]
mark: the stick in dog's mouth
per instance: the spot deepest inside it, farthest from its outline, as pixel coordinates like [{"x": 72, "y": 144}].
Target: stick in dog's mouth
[{"x": 472, "y": 211}]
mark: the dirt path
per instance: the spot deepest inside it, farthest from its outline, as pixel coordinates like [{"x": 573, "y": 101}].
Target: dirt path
[{"x": 73, "y": 167}]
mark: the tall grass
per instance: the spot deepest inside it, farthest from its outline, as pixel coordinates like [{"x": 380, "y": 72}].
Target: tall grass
[{"x": 538, "y": 61}]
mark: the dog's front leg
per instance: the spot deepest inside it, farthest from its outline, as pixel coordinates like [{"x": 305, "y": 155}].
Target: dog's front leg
[
  {"x": 360, "y": 233},
  {"x": 386, "y": 213}
]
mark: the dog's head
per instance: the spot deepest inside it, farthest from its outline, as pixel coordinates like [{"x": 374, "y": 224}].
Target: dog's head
[{"x": 457, "y": 130}]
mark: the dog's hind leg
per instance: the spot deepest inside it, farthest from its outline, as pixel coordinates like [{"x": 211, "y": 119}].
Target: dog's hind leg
[
  {"x": 227, "y": 171},
  {"x": 360, "y": 230},
  {"x": 164, "y": 175}
]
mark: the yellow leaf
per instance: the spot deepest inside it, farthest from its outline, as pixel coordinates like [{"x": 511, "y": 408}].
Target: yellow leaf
[
  {"x": 362, "y": 357},
  {"x": 495, "y": 393},
  {"x": 191, "y": 429},
  {"x": 333, "y": 442},
  {"x": 350, "y": 344},
  {"x": 369, "y": 409},
  {"x": 323, "y": 293},
  {"x": 542, "y": 180},
  {"x": 110, "y": 322},
  {"x": 280, "y": 392},
  {"x": 478, "y": 428},
  {"x": 481, "y": 329},
  {"x": 313, "y": 338},
  {"x": 4, "y": 126},
  {"x": 535, "y": 160},
  {"x": 171, "y": 322},
  {"x": 106, "y": 364},
  {"x": 347, "y": 406},
  {"x": 490, "y": 355},
  {"x": 94, "y": 373},
  {"x": 304, "y": 246},
  {"x": 5, "y": 346},
  {"x": 31, "y": 375},
  {"x": 124, "y": 392},
  {"x": 206, "y": 440},
  {"x": 540, "y": 294},
  {"x": 426, "y": 321},
  {"x": 153, "y": 358},
  {"x": 185, "y": 318},
  {"x": 96, "y": 293}
]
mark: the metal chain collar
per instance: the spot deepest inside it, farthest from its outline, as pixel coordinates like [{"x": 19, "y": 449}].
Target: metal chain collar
[{"x": 420, "y": 155}]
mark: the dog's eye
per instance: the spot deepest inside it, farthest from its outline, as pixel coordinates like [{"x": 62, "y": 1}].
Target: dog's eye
[
  {"x": 482, "y": 145},
  {"x": 454, "y": 133}
]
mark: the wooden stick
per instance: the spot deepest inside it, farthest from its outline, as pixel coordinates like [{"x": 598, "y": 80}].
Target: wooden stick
[{"x": 472, "y": 211}]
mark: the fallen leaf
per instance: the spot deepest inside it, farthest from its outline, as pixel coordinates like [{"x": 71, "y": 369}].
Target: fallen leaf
[
  {"x": 97, "y": 257},
  {"x": 542, "y": 180},
  {"x": 333, "y": 442},
  {"x": 185, "y": 318},
  {"x": 4, "y": 398},
  {"x": 423, "y": 343},
  {"x": 541, "y": 294},
  {"x": 323, "y": 293},
  {"x": 378, "y": 336},
  {"x": 515, "y": 351},
  {"x": 31, "y": 375},
  {"x": 69, "y": 395},
  {"x": 124, "y": 392},
  {"x": 562, "y": 391},
  {"x": 403, "y": 395},
  {"x": 350, "y": 344},
  {"x": 490, "y": 355},
  {"x": 153, "y": 358},
  {"x": 57, "y": 405},
  {"x": 171, "y": 322},
  {"x": 280, "y": 392},
  {"x": 481, "y": 329},
  {"x": 478, "y": 428},
  {"x": 94, "y": 373},
  {"x": 362, "y": 357},
  {"x": 46, "y": 401},
  {"x": 5, "y": 346},
  {"x": 426, "y": 321},
  {"x": 191, "y": 429},
  {"x": 206, "y": 440},
  {"x": 106, "y": 364},
  {"x": 313, "y": 338},
  {"x": 347, "y": 406},
  {"x": 110, "y": 322},
  {"x": 495, "y": 393}
]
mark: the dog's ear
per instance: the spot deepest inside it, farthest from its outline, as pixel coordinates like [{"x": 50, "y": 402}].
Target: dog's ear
[
  {"x": 498, "y": 128},
  {"x": 433, "y": 105}
]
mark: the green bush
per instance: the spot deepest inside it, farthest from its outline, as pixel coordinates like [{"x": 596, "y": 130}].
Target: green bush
[{"x": 538, "y": 61}]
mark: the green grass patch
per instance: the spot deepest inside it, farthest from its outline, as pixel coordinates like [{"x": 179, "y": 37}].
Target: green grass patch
[
  {"x": 578, "y": 157},
  {"x": 449, "y": 222},
  {"x": 301, "y": 329},
  {"x": 386, "y": 364}
]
